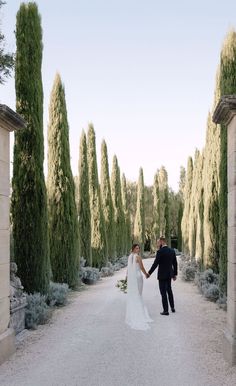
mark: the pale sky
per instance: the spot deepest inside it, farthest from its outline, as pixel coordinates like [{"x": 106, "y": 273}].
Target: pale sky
[{"x": 143, "y": 72}]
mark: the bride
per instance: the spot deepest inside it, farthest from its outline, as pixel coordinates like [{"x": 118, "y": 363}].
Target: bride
[{"x": 136, "y": 313}]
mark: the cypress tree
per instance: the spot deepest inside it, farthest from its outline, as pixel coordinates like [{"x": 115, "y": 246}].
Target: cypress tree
[
  {"x": 118, "y": 208},
  {"x": 98, "y": 235},
  {"x": 187, "y": 206},
  {"x": 127, "y": 233},
  {"x": 156, "y": 212},
  {"x": 63, "y": 223},
  {"x": 167, "y": 216},
  {"x": 84, "y": 203},
  {"x": 199, "y": 208},
  {"x": 211, "y": 196},
  {"x": 163, "y": 203},
  {"x": 194, "y": 202},
  {"x": 139, "y": 223},
  {"x": 227, "y": 82},
  {"x": 148, "y": 210},
  {"x": 181, "y": 205},
  {"x": 107, "y": 205},
  {"x": 29, "y": 202}
]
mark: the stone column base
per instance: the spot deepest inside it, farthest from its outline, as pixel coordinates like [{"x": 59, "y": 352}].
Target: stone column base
[
  {"x": 229, "y": 348},
  {"x": 7, "y": 344}
]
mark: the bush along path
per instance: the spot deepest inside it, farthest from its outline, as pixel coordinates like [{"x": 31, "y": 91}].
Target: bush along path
[
  {"x": 207, "y": 281},
  {"x": 40, "y": 307},
  {"x": 87, "y": 342}
]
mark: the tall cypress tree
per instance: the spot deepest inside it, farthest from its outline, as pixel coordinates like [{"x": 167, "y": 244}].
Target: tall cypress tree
[
  {"x": 139, "y": 223},
  {"x": 107, "y": 205},
  {"x": 84, "y": 203},
  {"x": 98, "y": 235},
  {"x": 156, "y": 214},
  {"x": 127, "y": 233},
  {"x": 63, "y": 223},
  {"x": 211, "y": 195},
  {"x": 29, "y": 202},
  {"x": 194, "y": 202},
  {"x": 187, "y": 206},
  {"x": 199, "y": 208},
  {"x": 227, "y": 83},
  {"x": 118, "y": 207},
  {"x": 163, "y": 203},
  {"x": 181, "y": 204}
]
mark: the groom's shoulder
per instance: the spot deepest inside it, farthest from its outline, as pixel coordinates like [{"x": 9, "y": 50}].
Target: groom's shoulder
[{"x": 170, "y": 251}]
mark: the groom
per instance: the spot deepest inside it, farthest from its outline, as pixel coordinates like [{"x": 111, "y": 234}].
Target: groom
[{"x": 168, "y": 269}]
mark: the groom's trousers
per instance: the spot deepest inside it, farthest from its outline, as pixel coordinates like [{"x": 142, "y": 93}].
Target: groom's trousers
[{"x": 165, "y": 289}]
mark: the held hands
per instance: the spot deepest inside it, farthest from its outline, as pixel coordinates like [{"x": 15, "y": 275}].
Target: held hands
[
  {"x": 174, "y": 278},
  {"x": 147, "y": 275}
]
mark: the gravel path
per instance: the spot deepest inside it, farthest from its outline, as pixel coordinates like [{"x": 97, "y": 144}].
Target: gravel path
[{"x": 87, "y": 343}]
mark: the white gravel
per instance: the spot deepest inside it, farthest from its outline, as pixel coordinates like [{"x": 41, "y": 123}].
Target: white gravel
[{"x": 87, "y": 343}]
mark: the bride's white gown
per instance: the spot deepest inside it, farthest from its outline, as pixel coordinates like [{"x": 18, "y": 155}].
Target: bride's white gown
[{"x": 136, "y": 313}]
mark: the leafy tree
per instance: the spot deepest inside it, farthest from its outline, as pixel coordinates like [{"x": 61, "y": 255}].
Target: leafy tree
[{"x": 6, "y": 59}]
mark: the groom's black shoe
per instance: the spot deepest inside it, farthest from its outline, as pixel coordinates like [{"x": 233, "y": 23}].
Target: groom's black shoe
[
  {"x": 164, "y": 313},
  {"x": 172, "y": 309}
]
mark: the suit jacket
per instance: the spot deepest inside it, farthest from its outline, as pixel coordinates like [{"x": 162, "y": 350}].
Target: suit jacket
[{"x": 167, "y": 263}]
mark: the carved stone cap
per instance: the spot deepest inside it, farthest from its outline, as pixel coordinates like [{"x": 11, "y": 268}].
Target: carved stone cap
[
  {"x": 10, "y": 120},
  {"x": 225, "y": 109}
]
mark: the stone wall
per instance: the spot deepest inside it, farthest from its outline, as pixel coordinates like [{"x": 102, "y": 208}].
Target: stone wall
[{"x": 9, "y": 121}]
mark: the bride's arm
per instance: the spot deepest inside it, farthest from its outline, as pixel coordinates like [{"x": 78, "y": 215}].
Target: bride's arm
[{"x": 139, "y": 260}]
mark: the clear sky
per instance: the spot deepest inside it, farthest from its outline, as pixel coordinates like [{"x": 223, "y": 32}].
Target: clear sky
[{"x": 143, "y": 72}]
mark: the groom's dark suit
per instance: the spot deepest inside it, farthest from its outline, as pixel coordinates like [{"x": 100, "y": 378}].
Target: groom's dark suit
[{"x": 168, "y": 268}]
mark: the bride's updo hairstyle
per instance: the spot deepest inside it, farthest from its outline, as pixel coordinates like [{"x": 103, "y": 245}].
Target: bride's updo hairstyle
[{"x": 134, "y": 246}]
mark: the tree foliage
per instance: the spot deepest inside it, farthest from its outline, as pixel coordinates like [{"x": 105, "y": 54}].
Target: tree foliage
[
  {"x": 62, "y": 219},
  {"x": 6, "y": 58},
  {"x": 98, "y": 235},
  {"x": 83, "y": 203},
  {"x": 107, "y": 205},
  {"x": 29, "y": 202},
  {"x": 119, "y": 217},
  {"x": 139, "y": 223}
]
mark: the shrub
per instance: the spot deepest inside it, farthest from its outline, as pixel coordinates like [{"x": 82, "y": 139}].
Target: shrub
[
  {"x": 123, "y": 261},
  {"x": 206, "y": 277},
  {"x": 90, "y": 275},
  {"x": 108, "y": 270},
  {"x": 37, "y": 311},
  {"x": 208, "y": 284},
  {"x": 188, "y": 269},
  {"x": 211, "y": 292},
  {"x": 57, "y": 295},
  {"x": 222, "y": 302},
  {"x": 188, "y": 272}
]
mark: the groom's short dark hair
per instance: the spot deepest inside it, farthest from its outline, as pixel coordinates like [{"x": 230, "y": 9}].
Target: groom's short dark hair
[{"x": 162, "y": 238}]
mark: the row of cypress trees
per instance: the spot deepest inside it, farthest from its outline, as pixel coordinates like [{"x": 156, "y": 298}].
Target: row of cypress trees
[
  {"x": 49, "y": 232},
  {"x": 204, "y": 222},
  {"x": 51, "y": 228}
]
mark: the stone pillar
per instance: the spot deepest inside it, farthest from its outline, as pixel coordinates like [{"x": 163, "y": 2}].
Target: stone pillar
[
  {"x": 9, "y": 121},
  {"x": 225, "y": 113}
]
